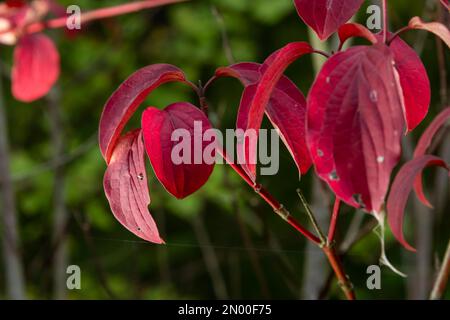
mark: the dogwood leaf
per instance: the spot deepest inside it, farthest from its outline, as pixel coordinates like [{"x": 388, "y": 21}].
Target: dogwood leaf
[
  {"x": 401, "y": 188},
  {"x": 272, "y": 71},
  {"x": 326, "y": 16},
  {"x": 36, "y": 67},
  {"x": 180, "y": 178},
  {"x": 352, "y": 30},
  {"x": 414, "y": 82},
  {"x": 286, "y": 111},
  {"x": 126, "y": 187},
  {"x": 127, "y": 98},
  {"x": 424, "y": 143},
  {"x": 437, "y": 28},
  {"x": 354, "y": 124}
]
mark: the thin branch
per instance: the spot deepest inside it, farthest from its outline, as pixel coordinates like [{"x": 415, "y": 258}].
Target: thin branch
[
  {"x": 331, "y": 253},
  {"x": 86, "y": 229},
  {"x": 210, "y": 258},
  {"x": 60, "y": 161},
  {"x": 100, "y": 14},
  {"x": 354, "y": 235},
  {"x": 60, "y": 214},
  {"x": 223, "y": 30},
  {"x": 441, "y": 61},
  {"x": 442, "y": 280},
  {"x": 269, "y": 199},
  {"x": 334, "y": 218},
  {"x": 312, "y": 218},
  {"x": 385, "y": 21},
  {"x": 14, "y": 277},
  {"x": 246, "y": 238}
]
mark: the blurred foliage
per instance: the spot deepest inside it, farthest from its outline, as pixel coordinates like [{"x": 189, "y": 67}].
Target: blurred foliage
[{"x": 188, "y": 35}]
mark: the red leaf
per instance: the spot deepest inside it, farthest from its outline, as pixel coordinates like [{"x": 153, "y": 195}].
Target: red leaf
[
  {"x": 182, "y": 179},
  {"x": 326, "y": 16},
  {"x": 351, "y": 30},
  {"x": 354, "y": 124},
  {"x": 272, "y": 70},
  {"x": 286, "y": 111},
  {"x": 36, "y": 67},
  {"x": 445, "y": 3},
  {"x": 427, "y": 137},
  {"x": 401, "y": 188},
  {"x": 414, "y": 82},
  {"x": 422, "y": 147},
  {"x": 437, "y": 28},
  {"x": 15, "y": 3},
  {"x": 126, "y": 187},
  {"x": 127, "y": 98}
]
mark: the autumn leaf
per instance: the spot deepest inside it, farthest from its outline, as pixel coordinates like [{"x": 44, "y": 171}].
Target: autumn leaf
[
  {"x": 126, "y": 187},
  {"x": 184, "y": 178},
  {"x": 354, "y": 125},
  {"x": 326, "y": 16}
]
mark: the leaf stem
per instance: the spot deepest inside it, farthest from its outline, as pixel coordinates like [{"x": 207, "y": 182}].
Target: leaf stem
[
  {"x": 328, "y": 248},
  {"x": 343, "y": 279},
  {"x": 385, "y": 21},
  {"x": 312, "y": 218},
  {"x": 269, "y": 199},
  {"x": 323, "y": 53},
  {"x": 397, "y": 33},
  {"x": 333, "y": 222},
  {"x": 100, "y": 14}
]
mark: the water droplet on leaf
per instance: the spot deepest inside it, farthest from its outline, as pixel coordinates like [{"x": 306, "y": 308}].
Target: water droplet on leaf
[
  {"x": 329, "y": 4},
  {"x": 334, "y": 176},
  {"x": 358, "y": 199},
  {"x": 374, "y": 96},
  {"x": 319, "y": 152}
]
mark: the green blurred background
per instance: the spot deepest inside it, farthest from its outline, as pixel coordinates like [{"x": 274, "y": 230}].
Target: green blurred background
[{"x": 222, "y": 242}]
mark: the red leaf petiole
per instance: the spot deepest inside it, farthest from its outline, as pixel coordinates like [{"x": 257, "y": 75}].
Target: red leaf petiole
[{"x": 99, "y": 14}]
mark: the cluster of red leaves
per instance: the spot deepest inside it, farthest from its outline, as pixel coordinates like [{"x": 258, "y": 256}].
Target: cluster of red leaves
[
  {"x": 36, "y": 64},
  {"x": 350, "y": 126}
]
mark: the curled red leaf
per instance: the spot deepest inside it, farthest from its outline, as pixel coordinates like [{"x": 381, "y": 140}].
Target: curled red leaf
[
  {"x": 272, "y": 71},
  {"x": 401, "y": 188},
  {"x": 326, "y": 16},
  {"x": 183, "y": 178},
  {"x": 414, "y": 81},
  {"x": 352, "y": 30},
  {"x": 36, "y": 67},
  {"x": 354, "y": 124},
  {"x": 427, "y": 137},
  {"x": 126, "y": 187},
  {"x": 286, "y": 111},
  {"x": 424, "y": 143},
  {"x": 127, "y": 98},
  {"x": 437, "y": 28}
]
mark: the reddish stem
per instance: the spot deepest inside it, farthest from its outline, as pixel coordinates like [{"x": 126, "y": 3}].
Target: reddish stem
[
  {"x": 338, "y": 269},
  {"x": 385, "y": 21},
  {"x": 443, "y": 277},
  {"x": 101, "y": 14},
  {"x": 326, "y": 247},
  {"x": 333, "y": 222},
  {"x": 398, "y": 33},
  {"x": 269, "y": 199}
]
